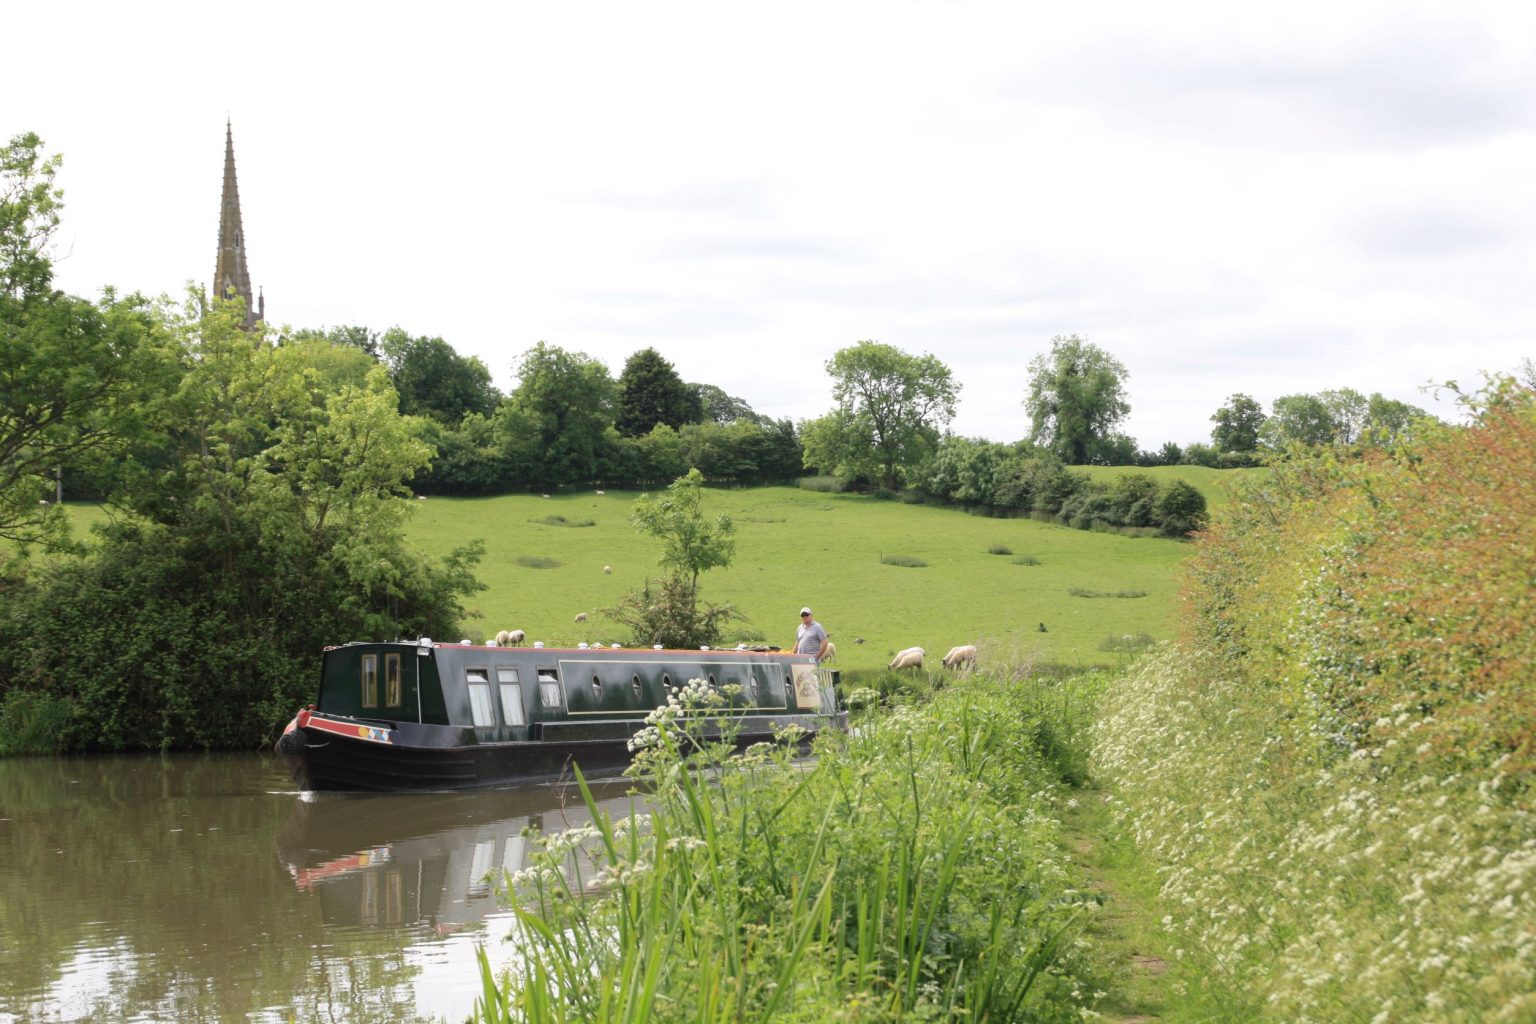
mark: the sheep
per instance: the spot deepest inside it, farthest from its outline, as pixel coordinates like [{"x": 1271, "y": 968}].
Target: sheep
[
  {"x": 961, "y": 657},
  {"x": 607, "y": 570},
  {"x": 600, "y": 494},
  {"x": 510, "y": 637},
  {"x": 580, "y": 617},
  {"x": 831, "y": 651},
  {"x": 912, "y": 657}
]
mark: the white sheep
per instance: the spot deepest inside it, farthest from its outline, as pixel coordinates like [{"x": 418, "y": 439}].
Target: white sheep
[
  {"x": 580, "y": 617},
  {"x": 600, "y": 494},
  {"x": 912, "y": 657},
  {"x": 607, "y": 570},
  {"x": 510, "y": 637},
  {"x": 831, "y": 651},
  {"x": 958, "y": 657}
]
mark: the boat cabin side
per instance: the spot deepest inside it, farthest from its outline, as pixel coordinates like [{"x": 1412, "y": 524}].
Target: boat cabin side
[{"x": 507, "y": 693}]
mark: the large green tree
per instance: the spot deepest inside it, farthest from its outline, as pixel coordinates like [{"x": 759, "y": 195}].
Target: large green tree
[
  {"x": 434, "y": 380},
  {"x": 72, "y": 372},
  {"x": 891, "y": 411},
  {"x": 267, "y": 520},
  {"x": 651, "y": 392},
  {"x": 1076, "y": 398},
  {"x": 556, "y": 423},
  {"x": 1237, "y": 424}
]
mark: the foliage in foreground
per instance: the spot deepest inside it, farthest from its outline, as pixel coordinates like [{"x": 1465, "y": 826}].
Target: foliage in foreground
[
  {"x": 911, "y": 872},
  {"x": 1334, "y": 776}
]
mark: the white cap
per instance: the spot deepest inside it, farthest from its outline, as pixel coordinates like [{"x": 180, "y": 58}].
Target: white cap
[{"x": 805, "y": 611}]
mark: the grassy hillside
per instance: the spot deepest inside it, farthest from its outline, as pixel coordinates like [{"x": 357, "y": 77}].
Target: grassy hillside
[{"x": 796, "y": 547}]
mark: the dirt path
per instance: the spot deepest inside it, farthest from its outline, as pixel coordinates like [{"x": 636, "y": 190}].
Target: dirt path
[{"x": 1127, "y": 934}]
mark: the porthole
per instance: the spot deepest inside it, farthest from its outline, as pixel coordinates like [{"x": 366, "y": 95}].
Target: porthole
[
  {"x": 597, "y": 688},
  {"x": 752, "y": 687},
  {"x": 634, "y": 681},
  {"x": 712, "y": 684},
  {"x": 666, "y": 681}
]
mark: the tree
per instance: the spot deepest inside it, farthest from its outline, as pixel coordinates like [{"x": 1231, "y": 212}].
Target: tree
[
  {"x": 725, "y": 409},
  {"x": 72, "y": 372},
  {"x": 1392, "y": 419},
  {"x": 1237, "y": 425},
  {"x": 1302, "y": 419},
  {"x": 270, "y": 514},
  {"x": 434, "y": 380},
  {"x": 891, "y": 408},
  {"x": 561, "y": 410},
  {"x": 668, "y": 611},
  {"x": 651, "y": 392},
  {"x": 1076, "y": 398}
]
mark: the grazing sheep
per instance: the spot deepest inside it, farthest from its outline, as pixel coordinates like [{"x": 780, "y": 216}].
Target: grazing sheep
[
  {"x": 912, "y": 657},
  {"x": 510, "y": 638},
  {"x": 607, "y": 570},
  {"x": 959, "y": 657},
  {"x": 831, "y": 651},
  {"x": 580, "y": 617},
  {"x": 600, "y": 494}
]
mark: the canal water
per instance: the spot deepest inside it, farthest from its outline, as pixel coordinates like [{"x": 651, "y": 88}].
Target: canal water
[{"x": 208, "y": 888}]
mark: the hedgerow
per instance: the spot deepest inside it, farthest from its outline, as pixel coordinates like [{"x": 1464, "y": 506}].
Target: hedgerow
[{"x": 1332, "y": 771}]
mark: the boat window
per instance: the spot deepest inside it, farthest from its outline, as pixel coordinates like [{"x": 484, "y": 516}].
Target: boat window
[
  {"x": 666, "y": 681},
  {"x": 597, "y": 689},
  {"x": 752, "y": 687},
  {"x": 634, "y": 682},
  {"x": 392, "y": 680},
  {"x": 712, "y": 684},
  {"x": 480, "y": 697},
  {"x": 549, "y": 688},
  {"x": 370, "y": 698},
  {"x": 511, "y": 695}
]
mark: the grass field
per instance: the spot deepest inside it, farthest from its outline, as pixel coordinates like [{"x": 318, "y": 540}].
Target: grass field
[{"x": 796, "y": 547}]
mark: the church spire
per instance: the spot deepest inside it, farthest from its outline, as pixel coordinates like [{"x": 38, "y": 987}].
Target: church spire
[{"x": 230, "y": 275}]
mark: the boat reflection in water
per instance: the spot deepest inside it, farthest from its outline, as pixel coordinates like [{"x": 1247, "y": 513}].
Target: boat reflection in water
[{"x": 427, "y": 861}]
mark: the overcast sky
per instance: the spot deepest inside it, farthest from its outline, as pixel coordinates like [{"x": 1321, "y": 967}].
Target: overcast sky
[{"x": 1227, "y": 197}]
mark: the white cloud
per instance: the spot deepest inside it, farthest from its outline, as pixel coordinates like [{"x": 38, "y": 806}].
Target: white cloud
[{"x": 1224, "y": 197}]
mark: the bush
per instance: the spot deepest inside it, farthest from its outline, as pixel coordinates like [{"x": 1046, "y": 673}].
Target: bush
[
  {"x": 999, "y": 549},
  {"x": 559, "y": 520},
  {"x": 537, "y": 562},
  {"x": 906, "y": 561}
]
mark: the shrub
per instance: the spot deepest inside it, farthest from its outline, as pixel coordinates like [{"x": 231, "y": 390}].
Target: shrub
[
  {"x": 537, "y": 562},
  {"x": 558, "y": 520},
  {"x": 906, "y": 561},
  {"x": 822, "y": 484},
  {"x": 1081, "y": 592},
  {"x": 999, "y": 549},
  {"x": 1026, "y": 560}
]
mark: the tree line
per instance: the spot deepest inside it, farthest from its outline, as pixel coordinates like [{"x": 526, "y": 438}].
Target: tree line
[{"x": 258, "y": 481}]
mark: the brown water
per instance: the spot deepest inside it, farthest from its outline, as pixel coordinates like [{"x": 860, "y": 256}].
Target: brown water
[{"x": 206, "y": 888}]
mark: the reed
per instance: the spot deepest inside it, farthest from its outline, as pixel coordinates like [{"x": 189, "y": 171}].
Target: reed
[{"x": 911, "y": 871}]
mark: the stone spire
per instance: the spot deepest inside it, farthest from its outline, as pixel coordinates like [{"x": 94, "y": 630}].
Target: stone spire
[{"x": 230, "y": 275}]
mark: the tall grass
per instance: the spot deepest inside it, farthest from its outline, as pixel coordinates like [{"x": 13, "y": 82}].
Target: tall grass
[
  {"x": 1335, "y": 775},
  {"x": 911, "y": 871}
]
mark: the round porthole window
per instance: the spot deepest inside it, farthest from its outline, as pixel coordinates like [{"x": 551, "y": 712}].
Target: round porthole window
[
  {"x": 597, "y": 688},
  {"x": 712, "y": 683},
  {"x": 634, "y": 681}
]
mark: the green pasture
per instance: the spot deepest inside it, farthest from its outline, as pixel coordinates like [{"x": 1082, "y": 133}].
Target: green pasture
[{"x": 795, "y": 547}]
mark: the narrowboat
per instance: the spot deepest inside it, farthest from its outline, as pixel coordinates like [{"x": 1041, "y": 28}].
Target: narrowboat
[{"x": 419, "y": 715}]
